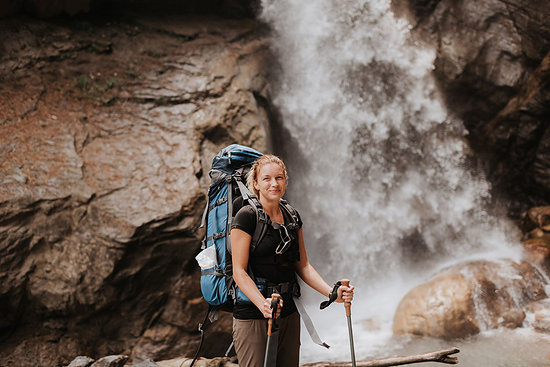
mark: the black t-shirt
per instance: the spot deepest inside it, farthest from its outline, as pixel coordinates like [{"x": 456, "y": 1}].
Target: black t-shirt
[{"x": 280, "y": 270}]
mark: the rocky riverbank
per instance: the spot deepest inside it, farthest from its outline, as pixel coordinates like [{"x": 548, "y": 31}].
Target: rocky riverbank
[{"x": 120, "y": 361}]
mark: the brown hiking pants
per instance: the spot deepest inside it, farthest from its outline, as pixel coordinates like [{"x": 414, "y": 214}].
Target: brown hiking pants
[{"x": 250, "y": 338}]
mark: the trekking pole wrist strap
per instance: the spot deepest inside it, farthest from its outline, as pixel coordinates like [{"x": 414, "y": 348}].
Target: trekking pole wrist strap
[{"x": 333, "y": 295}]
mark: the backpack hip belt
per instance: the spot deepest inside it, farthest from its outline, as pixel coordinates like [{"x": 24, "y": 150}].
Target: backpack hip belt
[{"x": 292, "y": 288}]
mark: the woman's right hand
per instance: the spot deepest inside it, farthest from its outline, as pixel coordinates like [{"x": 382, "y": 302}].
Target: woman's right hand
[{"x": 267, "y": 311}]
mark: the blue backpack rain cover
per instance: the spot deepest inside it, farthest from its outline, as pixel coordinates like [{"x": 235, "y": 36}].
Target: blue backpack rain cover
[{"x": 228, "y": 173}]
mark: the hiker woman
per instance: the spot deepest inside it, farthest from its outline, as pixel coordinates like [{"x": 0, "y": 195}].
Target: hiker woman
[{"x": 271, "y": 265}]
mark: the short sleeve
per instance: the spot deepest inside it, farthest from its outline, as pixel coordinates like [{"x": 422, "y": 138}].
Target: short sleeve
[{"x": 245, "y": 220}]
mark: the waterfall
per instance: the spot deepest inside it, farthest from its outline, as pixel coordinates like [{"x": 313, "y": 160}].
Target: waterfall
[
  {"x": 379, "y": 169},
  {"x": 388, "y": 180}
]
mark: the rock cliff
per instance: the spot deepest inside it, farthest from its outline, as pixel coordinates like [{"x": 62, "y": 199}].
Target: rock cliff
[{"x": 108, "y": 130}]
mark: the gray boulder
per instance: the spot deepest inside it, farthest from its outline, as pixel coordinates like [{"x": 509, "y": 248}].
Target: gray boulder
[
  {"x": 81, "y": 361},
  {"x": 111, "y": 361}
]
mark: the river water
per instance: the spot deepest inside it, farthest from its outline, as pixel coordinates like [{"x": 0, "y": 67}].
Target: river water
[{"x": 382, "y": 176}]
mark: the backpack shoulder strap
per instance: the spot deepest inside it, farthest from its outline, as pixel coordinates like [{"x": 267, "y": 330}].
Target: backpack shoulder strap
[
  {"x": 261, "y": 216},
  {"x": 261, "y": 223},
  {"x": 292, "y": 214}
]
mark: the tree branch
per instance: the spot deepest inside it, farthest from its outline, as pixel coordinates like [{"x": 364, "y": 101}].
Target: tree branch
[{"x": 441, "y": 356}]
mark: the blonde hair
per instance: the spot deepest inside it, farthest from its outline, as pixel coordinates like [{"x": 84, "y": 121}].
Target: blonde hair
[{"x": 252, "y": 176}]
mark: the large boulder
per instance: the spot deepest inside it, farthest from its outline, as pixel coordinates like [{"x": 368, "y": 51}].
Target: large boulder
[
  {"x": 468, "y": 298},
  {"x": 493, "y": 67},
  {"x": 108, "y": 131}
]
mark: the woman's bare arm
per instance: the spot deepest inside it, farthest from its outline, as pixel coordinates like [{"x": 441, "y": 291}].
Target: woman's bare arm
[
  {"x": 311, "y": 277},
  {"x": 240, "y": 249}
]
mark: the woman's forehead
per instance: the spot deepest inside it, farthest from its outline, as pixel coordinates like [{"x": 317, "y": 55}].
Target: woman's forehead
[{"x": 271, "y": 169}]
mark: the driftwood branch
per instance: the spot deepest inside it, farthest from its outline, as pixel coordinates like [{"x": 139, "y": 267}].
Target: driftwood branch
[{"x": 441, "y": 356}]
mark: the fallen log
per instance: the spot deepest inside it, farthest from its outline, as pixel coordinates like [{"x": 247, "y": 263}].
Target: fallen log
[{"x": 441, "y": 356}]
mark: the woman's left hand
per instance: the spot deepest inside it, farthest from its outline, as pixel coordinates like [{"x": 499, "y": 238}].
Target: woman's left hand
[{"x": 345, "y": 294}]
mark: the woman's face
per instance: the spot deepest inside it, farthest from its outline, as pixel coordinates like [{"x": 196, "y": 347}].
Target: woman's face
[{"x": 270, "y": 182}]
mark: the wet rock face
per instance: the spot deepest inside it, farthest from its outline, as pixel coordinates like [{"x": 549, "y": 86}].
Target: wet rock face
[
  {"x": 493, "y": 65},
  {"x": 469, "y": 298},
  {"x": 535, "y": 225},
  {"x": 108, "y": 131},
  {"x": 541, "y": 315}
]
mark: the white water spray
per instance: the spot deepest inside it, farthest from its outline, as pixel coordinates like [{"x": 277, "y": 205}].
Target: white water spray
[
  {"x": 384, "y": 183},
  {"x": 387, "y": 166}
]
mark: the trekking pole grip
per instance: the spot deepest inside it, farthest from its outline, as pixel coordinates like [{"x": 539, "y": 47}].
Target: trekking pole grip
[
  {"x": 275, "y": 297},
  {"x": 347, "y": 305}
]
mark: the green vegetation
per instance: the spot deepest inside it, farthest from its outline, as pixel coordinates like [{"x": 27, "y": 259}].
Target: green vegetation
[
  {"x": 109, "y": 84},
  {"x": 101, "y": 90},
  {"x": 83, "y": 82}
]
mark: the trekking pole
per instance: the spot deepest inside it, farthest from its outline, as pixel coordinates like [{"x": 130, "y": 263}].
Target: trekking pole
[
  {"x": 347, "y": 305},
  {"x": 270, "y": 359}
]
